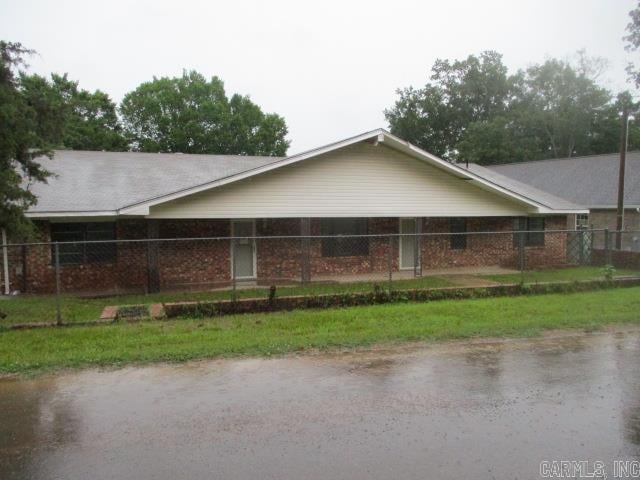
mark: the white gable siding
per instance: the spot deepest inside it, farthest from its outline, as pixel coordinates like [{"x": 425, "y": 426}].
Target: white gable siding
[{"x": 361, "y": 180}]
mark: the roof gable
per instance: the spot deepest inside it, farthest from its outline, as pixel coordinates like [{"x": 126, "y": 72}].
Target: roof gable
[
  {"x": 374, "y": 137},
  {"x": 361, "y": 180}
]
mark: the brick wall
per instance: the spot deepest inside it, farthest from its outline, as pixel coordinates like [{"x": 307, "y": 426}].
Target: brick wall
[
  {"x": 184, "y": 264},
  {"x": 32, "y": 267},
  {"x": 492, "y": 249},
  {"x": 194, "y": 263}
]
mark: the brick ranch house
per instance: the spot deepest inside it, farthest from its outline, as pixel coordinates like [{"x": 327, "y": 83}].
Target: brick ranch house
[{"x": 373, "y": 183}]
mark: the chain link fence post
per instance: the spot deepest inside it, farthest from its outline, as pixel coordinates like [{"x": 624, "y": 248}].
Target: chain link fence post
[
  {"x": 607, "y": 247},
  {"x": 57, "y": 267},
  {"x": 390, "y": 262},
  {"x": 5, "y": 263}
]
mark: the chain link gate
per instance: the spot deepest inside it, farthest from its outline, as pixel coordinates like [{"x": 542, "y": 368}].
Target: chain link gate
[{"x": 579, "y": 247}]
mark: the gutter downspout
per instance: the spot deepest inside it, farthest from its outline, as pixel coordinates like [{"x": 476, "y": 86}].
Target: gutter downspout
[{"x": 5, "y": 263}]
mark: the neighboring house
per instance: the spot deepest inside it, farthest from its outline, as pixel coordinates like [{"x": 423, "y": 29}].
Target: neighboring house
[
  {"x": 373, "y": 183},
  {"x": 590, "y": 182}
]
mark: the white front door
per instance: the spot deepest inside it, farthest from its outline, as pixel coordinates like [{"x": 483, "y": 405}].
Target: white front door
[
  {"x": 407, "y": 243},
  {"x": 243, "y": 251}
]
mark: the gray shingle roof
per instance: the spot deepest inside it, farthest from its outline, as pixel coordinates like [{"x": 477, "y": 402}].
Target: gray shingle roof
[
  {"x": 106, "y": 181},
  {"x": 539, "y": 196},
  {"x": 590, "y": 181},
  {"x": 87, "y": 182}
]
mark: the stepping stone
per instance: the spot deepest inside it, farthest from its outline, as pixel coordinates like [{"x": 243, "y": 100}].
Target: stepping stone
[
  {"x": 109, "y": 312},
  {"x": 156, "y": 310}
]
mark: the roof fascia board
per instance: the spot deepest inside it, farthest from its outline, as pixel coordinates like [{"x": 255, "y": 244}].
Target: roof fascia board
[
  {"x": 97, "y": 213},
  {"x": 612, "y": 207}
]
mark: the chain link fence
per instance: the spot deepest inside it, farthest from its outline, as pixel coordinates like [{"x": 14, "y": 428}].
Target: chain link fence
[{"x": 74, "y": 281}]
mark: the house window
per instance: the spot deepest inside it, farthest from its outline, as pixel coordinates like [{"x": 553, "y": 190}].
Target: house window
[
  {"x": 459, "y": 226},
  {"x": 81, "y": 252},
  {"x": 533, "y": 228},
  {"x": 344, "y": 247},
  {"x": 582, "y": 221}
]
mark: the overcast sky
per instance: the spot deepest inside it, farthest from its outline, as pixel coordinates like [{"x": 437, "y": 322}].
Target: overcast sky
[{"x": 329, "y": 67}]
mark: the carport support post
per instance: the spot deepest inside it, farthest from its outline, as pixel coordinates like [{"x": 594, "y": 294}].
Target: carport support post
[
  {"x": 234, "y": 294},
  {"x": 521, "y": 255},
  {"x": 57, "y": 264},
  {"x": 417, "y": 244},
  {"x": 153, "y": 274},
  {"x": 305, "y": 250}
]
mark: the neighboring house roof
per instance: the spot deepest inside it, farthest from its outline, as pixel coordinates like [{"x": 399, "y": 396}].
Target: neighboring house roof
[
  {"x": 129, "y": 183},
  {"x": 545, "y": 198},
  {"x": 590, "y": 182}
]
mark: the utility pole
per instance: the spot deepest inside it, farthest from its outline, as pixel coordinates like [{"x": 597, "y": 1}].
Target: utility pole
[{"x": 623, "y": 160}]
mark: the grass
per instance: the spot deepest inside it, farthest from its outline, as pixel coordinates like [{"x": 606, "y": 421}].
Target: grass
[
  {"x": 268, "y": 334},
  {"x": 42, "y": 308},
  {"x": 569, "y": 274}
]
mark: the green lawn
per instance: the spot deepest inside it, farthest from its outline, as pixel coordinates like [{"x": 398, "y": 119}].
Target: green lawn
[
  {"x": 568, "y": 274},
  {"x": 267, "y": 334},
  {"x": 42, "y": 308}
]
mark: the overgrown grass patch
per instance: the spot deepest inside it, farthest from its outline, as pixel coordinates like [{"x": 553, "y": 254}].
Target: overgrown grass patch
[{"x": 269, "y": 334}]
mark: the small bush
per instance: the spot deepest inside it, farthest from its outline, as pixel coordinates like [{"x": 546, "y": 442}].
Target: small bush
[{"x": 608, "y": 272}]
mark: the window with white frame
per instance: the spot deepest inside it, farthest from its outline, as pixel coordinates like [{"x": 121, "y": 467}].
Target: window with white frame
[{"x": 582, "y": 221}]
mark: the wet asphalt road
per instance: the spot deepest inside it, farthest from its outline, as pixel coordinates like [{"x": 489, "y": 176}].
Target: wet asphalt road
[{"x": 485, "y": 410}]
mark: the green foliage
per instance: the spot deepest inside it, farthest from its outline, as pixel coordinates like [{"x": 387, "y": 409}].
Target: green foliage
[
  {"x": 609, "y": 272},
  {"x": 633, "y": 42},
  {"x": 473, "y": 110},
  {"x": 191, "y": 114},
  {"x": 435, "y": 117},
  {"x": 20, "y": 143},
  {"x": 71, "y": 118}
]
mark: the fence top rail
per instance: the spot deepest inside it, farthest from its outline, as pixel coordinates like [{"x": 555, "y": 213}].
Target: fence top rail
[{"x": 308, "y": 237}]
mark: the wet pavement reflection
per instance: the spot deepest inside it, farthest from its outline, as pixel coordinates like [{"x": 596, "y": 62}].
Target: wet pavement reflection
[{"x": 480, "y": 410}]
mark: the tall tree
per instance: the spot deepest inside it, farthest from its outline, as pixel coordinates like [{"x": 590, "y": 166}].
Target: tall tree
[
  {"x": 633, "y": 42},
  {"x": 461, "y": 92},
  {"x": 20, "y": 143},
  {"x": 89, "y": 119},
  {"x": 473, "y": 110},
  {"x": 191, "y": 114},
  {"x": 564, "y": 107}
]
